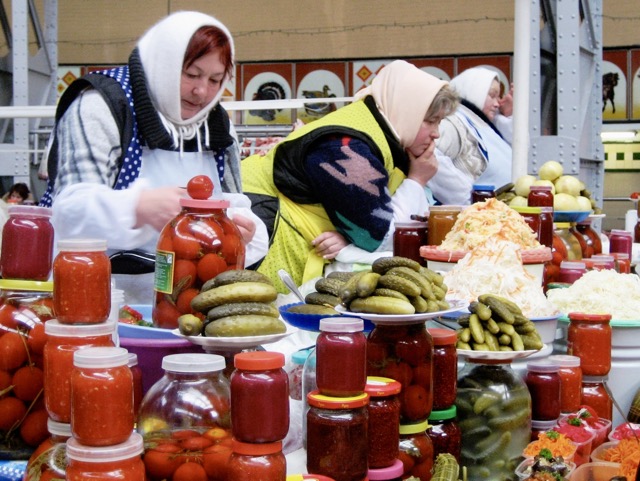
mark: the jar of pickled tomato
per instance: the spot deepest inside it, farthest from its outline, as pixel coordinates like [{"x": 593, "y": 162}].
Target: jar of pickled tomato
[
  {"x": 136, "y": 373},
  {"x": 62, "y": 341},
  {"x": 570, "y": 374},
  {"x": 256, "y": 461},
  {"x": 49, "y": 460},
  {"x": 120, "y": 462},
  {"x": 482, "y": 192},
  {"x": 391, "y": 473},
  {"x": 28, "y": 303},
  {"x": 341, "y": 357},
  {"x": 408, "y": 237},
  {"x": 589, "y": 338},
  {"x": 441, "y": 219},
  {"x": 585, "y": 248},
  {"x": 337, "y": 436},
  {"x": 197, "y": 245},
  {"x": 543, "y": 382},
  {"x": 595, "y": 395},
  {"x": 101, "y": 396},
  {"x": 445, "y": 367},
  {"x": 416, "y": 450},
  {"x": 591, "y": 237},
  {"x": 82, "y": 282},
  {"x": 384, "y": 419},
  {"x": 27, "y": 243},
  {"x": 445, "y": 432},
  {"x": 259, "y": 397}
]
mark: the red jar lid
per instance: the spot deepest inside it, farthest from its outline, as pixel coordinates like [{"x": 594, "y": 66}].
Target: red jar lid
[
  {"x": 258, "y": 360},
  {"x": 328, "y": 402},
  {"x": 255, "y": 449},
  {"x": 382, "y": 386},
  {"x": 442, "y": 337},
  {"x": 580, "y": 316}
]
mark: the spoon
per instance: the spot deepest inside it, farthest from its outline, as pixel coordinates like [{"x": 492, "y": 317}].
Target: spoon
[{"x": 288, "y": 281}]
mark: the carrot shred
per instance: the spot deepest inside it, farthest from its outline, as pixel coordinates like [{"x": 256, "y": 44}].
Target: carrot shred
[
  {"x": 627, "y": 453},
  {"x": 557, "y": 443}
]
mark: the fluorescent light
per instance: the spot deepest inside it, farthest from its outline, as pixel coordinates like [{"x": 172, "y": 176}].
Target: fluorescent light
[{"x": 620, "y": 136}]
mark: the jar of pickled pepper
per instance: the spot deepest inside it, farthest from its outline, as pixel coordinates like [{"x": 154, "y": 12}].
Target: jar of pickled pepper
[
  {"x": 589, "y": 338},
  {"x": 195, "y": 246}
]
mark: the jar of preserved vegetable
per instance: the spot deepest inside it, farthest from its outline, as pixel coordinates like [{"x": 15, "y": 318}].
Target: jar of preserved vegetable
[
  {"x": 49, "y": 460},
  {"x": 599, "y": 262},
  {"x": 259, "y": 397},
  {"x": 571, "y": 243},
  {"x": 337, "y": 436},
  {"x": 384, "y": 420},
  {"x": 391, "y": 473},
  {"x": 445, "y": 367},
  {"x": 341, "y": 357},
  {"x": 570, "y": 381},
  {"x": 404, "y": 352},
  {"x": 408, "y": 237},
  {"x": 540, "y": 196},
  {"x": 545, "y": 233},
  {"x": 308, "y": 385},
  {"x": 445, "y": 432},
  {"x": 62, "y": 341},
  {"x": 622, "y": 262},
  {"x": 27, "y": 243},
  {"x": 482, "y": 192},
  {"x": 136, "y": 373},
  {"x": 29, "y": 303},
  {"x": 441, "y": 220},
  {"x": 621, "y": 241},
  {"x": 543, "y": 382},
  {"x": 571, "y": 271},
  {"x": 589, "y": 338},
  {"x": 82, "y": 282},
  {"x": 531, "y": 215},
  {"x": 494, "y": 413},
  {"x": 585, "y": 248},
  {"x": 251, "y": 462},
  {"x": 595, "y": 395},
  {"x": 416, "y": 450},
  {"x": 591, "y": 237},
  {"x": 120, "y": 462},
  {"x": 197, "y": 245},
  {"x": 295, "y": 373}
]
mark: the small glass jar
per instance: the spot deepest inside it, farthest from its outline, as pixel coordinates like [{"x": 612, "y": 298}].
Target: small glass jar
[
  {"x": 445, "y": 367},
  {"x": 589, "y": 338},
  {"x": 121, "y": 462},
  {"x": 571, "y": 271},
  {"x": 622, "y": 262},
  {"x": 540, "y": 196},
  {"x": 543, "y": 382},
  {"x": 570, "y": 381},
  {"x": 136, "y": 373},
  {"x": 49, "y": 460},
  {"x": 531, "y": 215},
  {"x": 251, "y": 462},
  {"x": 82, "y": 282},
  {"x": 591, "y": 237},
  {"x": 538, "y": 427},
  {"x": 341, "y": 357},
  {"x": 391, "y": 473},
  {"x": 482, "y": 192},
  {"x": 296, "y": 372},
  {"x": 337, "y": 436},
  {"x": 416, "y": 450},
  {"x": 621, "y": 241},
  {"x": 62, "y": 341},
  {"x": 259, "y": 397},
  {"x": 595, "y": 395},
  {"x": 384, "y": 420},
  {"x": 445, "y": 432},
  {"x": 408, "y": 237},
  {"x": 441, "y": 220},
  {"x": 545, "y": 234},
  {"x": 27, "y": 243},
  {"x": 101, "y": 396},
  {"x": 600, "y": 262}
]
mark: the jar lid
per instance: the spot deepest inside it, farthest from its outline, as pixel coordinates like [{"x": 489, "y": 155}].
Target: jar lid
[
  {"x": 394, "y": 471},
  {"x": 414, "y": 428},
  {"x": 299, "y": 357},
  {"x": 82, "y": 245},
  {"x": 521, "y": 209},
  {"x": 564, "y": 360},
  {"x": 382, "y": 386},
  {"x": 193, "y": 362},
  {"x": 573, "y": 265},
  {"x": 621, "y": 256},
  {"x": 133, "y": 446},
  {"x": 341, "y": 324},
  {"x": 258, "y": 360},
  {"x": 100, "y": 357},
  {"x": 58, "y": 429},
  {"x": 21, "y": 285},
  {"x": 255, "y": 449},
  {"x": 442, "y": 414},
  {"x": 562, "y": 225},
  {"x": 442, "y": 337},
  {"x": 483, "y": 187},
  {"x": 540, "y": 187},
  {"x": 595, "y": 379},
  {"x": 328, "y": 402},
  {"x": 32, "y": 210},
  {"x": 410, "y": 225},
  {"x": 446, "y": 208},
  {"x": 204, "y": 204},
  {"x": 581, "y": 316},
  {"x": 53, "y": 328},
  {"x": 542, "y": 365},
  {"x": 624, "y": 233},
  {"x": 133, "y": 359}
]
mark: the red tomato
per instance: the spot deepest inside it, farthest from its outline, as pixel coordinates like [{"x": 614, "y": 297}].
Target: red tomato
[
  {"x": 210, "y": 266},
  {"x": 200, "y": 187}
]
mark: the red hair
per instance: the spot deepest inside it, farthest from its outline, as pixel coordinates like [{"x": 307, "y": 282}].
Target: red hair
[{"x": 205, "y": 40}]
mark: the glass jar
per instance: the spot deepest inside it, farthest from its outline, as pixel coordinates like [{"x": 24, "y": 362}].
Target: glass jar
[
  {"x": 600, "y": 262},
  {"x": 251, "y": 462},
  {"x": 585, "y": 249},
  {"x": 49, "y": 460},
  {"x": 543, "y": 382},
  {"x": 545, "y": 234},
  {"x": 445, "y": 432},
  {"x": 136, "y": 373},
  {"x": 589, "y": 338},
  {"x": 391, "y": 473},
  {"x": 28, "y": 304},
  {"x": 259, "y": 397},
  {"x": 404, "y": 352},
  {"x": 197, "y": 245},
  {"x": 621, "y": 241},
  {"x": 120, "y": 462},
  {"x": 591, "y": 237},
  {"x": 552, "y": 268},
  {"x": 308, "y": 385},
  {"x": 27, "y": 243},
  {"x": 538, "y": 427},
  {"x": 384, "y": 420},
  {"x": 531, "y": 215},
  {"x": 572, "y": 245},
  {"x": 595, "y": 395},
  {"x": 337, "y": 436},
  {"x": 570, "y": 381},
  {"x": 571, "y": 271},
  {"x": 341, "y": 357},
  {"x": 482, "y": 192},
  {"x": 408, "y": 237},
  {"x": 101, "y": 396},
  {"x": 62, "y": 341},
  {"x": 82, "y": 282},
  {"x": 441, "y": 220},
  {"x": 622, "y": 262},
  {"x": 296, "y": 371},
  {"x": 494, "y": 414},
  {"x": 540, "y": 196},
  {"x": 445, "y": 367},
  {"x": 416, "y": 450}
]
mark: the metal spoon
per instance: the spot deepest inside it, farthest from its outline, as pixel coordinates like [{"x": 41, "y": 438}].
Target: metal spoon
[{"x": 288, "y": 281}]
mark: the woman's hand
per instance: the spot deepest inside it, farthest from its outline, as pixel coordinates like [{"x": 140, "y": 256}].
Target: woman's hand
[
  {"x": 506, "y": 103},
  {"x": 423, "y": 167},
  {"x": 329, "y": 244},
  {"x": 156, "y": 207},
  {"x": 246, "y": 227}
]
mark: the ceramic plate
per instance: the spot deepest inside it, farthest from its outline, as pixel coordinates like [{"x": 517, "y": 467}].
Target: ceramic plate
[
  {"x": 570, "y": 216},
  {"x": 496, "y": 355},
  {"x": 235, "y": 342},
  {"x": 456, "y": 305}
]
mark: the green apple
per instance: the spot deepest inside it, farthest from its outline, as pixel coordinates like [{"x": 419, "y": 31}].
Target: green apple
[
  {"x": 584, "y": 203},
  {"x": 518, "y": 201},
  {"x": 568, "y": 184},
  {"x": 546, "y": 182},
  {"x": 565, "y": 202},
  {"x": 550, "y": 170},
  {"x": 522, "y": 184}
]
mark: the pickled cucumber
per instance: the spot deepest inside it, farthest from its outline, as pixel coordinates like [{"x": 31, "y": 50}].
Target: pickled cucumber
[
  {"x": 246, "y": 325},
  {"x": 235, "y": 292},
  {"x": 381, "y": 305},
  {"x": 232, "y": 276},
  {"x": 240, "y": 308},
  {"x": 383, "y": 264},
  {"x": 313, "y": 309}
]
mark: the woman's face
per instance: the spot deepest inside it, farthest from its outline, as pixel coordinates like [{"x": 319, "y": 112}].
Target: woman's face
[
  {"x": 200, "y": 83},
  {"x": 427, "y": 134},
  {"x": 492, "y": 102}
]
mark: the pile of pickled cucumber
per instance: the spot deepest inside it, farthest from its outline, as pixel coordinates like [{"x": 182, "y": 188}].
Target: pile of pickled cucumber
[
  {"x": 497, "y": 324},
  {"x": 236, "y": 303}
]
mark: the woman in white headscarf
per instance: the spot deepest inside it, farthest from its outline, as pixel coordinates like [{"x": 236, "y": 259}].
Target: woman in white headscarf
[{"x": 334, "y": 188}]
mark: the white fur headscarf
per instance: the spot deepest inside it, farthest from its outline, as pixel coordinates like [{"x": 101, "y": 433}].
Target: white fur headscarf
[{"x": 473, "y": 84}]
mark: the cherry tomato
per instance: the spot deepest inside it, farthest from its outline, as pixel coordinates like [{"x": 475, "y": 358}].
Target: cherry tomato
[{"x": 200, "y": 187}]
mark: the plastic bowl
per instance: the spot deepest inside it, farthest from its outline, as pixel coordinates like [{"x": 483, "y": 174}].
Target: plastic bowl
[
  {"x": 597, "y": 455},
  {"x": 546, "y": 327},
  {"x": 624, "y": 431},
  {"x": 596, "y": 471},
  {"x": 311, "y": 322},
  {"x": 523, "y": 473}
]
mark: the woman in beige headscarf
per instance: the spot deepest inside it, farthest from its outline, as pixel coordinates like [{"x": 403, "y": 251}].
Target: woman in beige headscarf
[{"x": 334, "y": 188}]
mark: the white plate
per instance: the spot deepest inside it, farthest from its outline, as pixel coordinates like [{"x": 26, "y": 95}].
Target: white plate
[
  {"x": 143, "y": 332},
  {"x": 236, "y": 342},
  {"x": 496, "y": 355},
  {"x": 456, "y": 305}
]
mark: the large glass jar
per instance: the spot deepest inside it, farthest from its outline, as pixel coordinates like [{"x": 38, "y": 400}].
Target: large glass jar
[
  {"x": 27, "y": 243},
  {"x": 591, "y": 237},
  {"x": 445, "y": 367},
  {"x": 441, "y": 220},
  {"x": 585, "y": 249},
  {"x": 49, "y": 460},
  {"x": 570, "y": 381},
  {"x": 26, "y": 305},
  {"x": 571, "y": 243},
  {"x": 404, "y": 352},
  {"x": 494, "y": 414},
  {"x": 543, "y": 381},
  {"x": 595, "y": 395},
  {"x": 445, "y": 432},
  {"x": 416, "y": 450},
  {"x": 408, "y": 237},
  {"x": 197, "y": 245},
  {"x": 589, "y": 338},
  {"x": 337, "y": 436},
  {"x": 252, "y": 462},
  {"x": 384, "y": 420}
]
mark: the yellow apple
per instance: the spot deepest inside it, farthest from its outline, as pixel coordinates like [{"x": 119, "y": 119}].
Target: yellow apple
[
  {"x": 550, "y": 170},
  {"x": 522, "y": 184},
  {"x": 565, "y": 202},
  {"x": 568, "y": 184}
]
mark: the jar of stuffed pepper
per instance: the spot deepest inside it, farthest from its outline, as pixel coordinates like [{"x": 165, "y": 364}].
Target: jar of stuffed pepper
[
  {"x": 416, "y": 450},
  {"x": 445, "y": 432}
]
